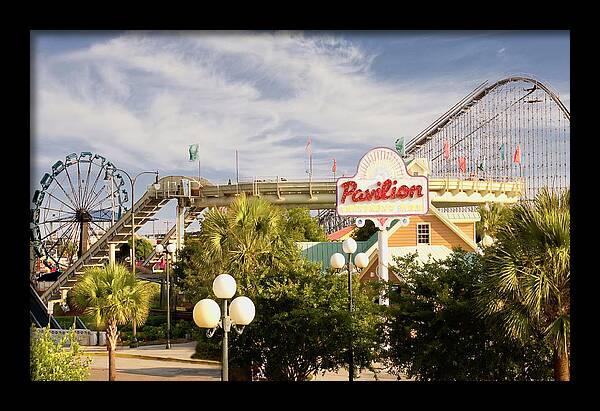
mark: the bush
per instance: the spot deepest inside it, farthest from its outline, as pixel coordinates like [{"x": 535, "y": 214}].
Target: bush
[
  {"x": 181, "y": 328},
  {"x": 49, "y": 361}
]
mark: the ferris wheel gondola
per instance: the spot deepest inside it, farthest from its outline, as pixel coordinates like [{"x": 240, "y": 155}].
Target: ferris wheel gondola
[{"x": 78, "y": 201}]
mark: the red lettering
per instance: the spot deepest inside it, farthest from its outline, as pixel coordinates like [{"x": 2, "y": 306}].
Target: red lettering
[
  {"x": 402, "y": 192},
  {"x": 384, "y": 191},
  {"x": 349, "y": 187},
  {"x": 419, "y": 188}
]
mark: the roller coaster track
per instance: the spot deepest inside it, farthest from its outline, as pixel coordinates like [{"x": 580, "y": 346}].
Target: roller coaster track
[
  {"x": 516, "y": 111},
  {"x": 313, "y": 195}
]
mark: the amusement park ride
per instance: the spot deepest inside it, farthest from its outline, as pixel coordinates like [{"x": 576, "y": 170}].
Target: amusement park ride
[{"x": 79, "y": 215}]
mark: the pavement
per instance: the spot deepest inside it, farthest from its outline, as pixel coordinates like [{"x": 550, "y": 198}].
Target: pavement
[{"x": 156, "y": 363}]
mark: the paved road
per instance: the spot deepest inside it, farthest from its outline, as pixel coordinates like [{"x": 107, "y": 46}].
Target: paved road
[{"x": 137, "y": 369}]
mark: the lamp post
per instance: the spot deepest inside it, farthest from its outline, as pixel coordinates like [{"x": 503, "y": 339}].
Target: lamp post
[
  {"x": 170, "y": 250},
  {"x": 360, "y": 261},
  {"x": 207, "y": 314},
  {"x": 134, "y": 341}
]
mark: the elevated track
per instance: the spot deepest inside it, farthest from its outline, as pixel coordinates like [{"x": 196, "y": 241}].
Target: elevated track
[{"x": 194, "y": 196}]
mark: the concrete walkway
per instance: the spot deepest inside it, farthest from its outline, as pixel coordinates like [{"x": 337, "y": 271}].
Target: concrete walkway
[{"x": 156, "y": 363}]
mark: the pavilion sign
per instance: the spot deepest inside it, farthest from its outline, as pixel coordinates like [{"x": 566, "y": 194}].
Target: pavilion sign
[{"x": 382, "y": 187}]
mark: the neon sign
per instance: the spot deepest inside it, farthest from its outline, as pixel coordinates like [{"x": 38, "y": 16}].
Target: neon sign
[{"x": 382, "y": 187}]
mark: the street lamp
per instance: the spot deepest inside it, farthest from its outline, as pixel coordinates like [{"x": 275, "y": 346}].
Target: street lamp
[
  {"x": 134, "y": 341},
  {"x": 207, "y": 314},
  {"x": 170, "y": 250},
  {"x": 337, "y": 261}
]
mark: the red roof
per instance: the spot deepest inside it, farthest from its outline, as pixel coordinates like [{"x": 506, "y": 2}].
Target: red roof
[{"x": 340, "y": 233}]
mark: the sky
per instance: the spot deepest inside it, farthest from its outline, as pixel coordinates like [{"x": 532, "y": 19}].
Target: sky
[{"x": 141, "y": 98}]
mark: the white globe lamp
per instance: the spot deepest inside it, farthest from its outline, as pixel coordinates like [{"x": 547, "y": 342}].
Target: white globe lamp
[
  {"x": 171, "y": 248},
  {"x": 349, "y": 246},
  {"x": 487, "y": 241},
  {"x": 159, "y": 249},
  {"x": 224, "y": 286},
  {"x": 242, "y": 310},
  {"x": 361, "y": 260},
  {"x": 337, "y": 260},
  {"x": 207, "y": 313}
]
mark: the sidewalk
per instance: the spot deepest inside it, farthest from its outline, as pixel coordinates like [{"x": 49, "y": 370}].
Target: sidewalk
[
  {"x": 157, "y": 363},
  {"x": 181, "y": 352}
]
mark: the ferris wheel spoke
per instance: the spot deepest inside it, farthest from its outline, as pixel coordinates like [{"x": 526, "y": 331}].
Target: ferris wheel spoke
[
  {"x": 97, "y": 203},
  {"x": 54, "y": 231},
  {"x": 75, "y": 196},
  {"x": 68, "y": 239},
  {"x": 94, "y": 231},
  {"x": 66, "y": 195},
  {"x": 87, "y": 200},
  {"x": 53, "y": 196},
  {"x": 58, "y": 240},
  {"x": 56, "y": 209},
  {"x": 87, "y": 180},
  {"x": 59, "y": 220},
  {"x": 92, "y": 199},
  {"x": 101, "y": 228}
]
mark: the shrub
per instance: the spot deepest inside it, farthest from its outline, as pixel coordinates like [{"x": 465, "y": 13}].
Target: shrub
[{"x": 49, "y": 361}]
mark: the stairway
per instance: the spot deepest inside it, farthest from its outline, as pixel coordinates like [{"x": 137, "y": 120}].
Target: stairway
[
  {"x": 191, "y": 214},
  {"x": 98, "y": 253}
]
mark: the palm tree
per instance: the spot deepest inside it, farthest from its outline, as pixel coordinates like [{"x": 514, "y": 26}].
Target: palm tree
[
  {"x": 245, "y": 234},
  {"x": 492, "y": 217},
  {"x": 526, "y": 288},
  {"x": 114, "y": 297}
]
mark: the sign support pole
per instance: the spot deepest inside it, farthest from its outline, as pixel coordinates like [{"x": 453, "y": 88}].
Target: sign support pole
[{"x": 382, "y": 250}]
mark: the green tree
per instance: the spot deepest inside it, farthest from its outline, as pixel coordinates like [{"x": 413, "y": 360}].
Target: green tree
[
  {"x": 435, "y": 332},
  {"x": 143, "y": 248},
  {"x": 67, "y": 249},
  {"x": 50, "y": 361},
  {"x": 114, "y": 297},
  {"x": 493, "y": 216},
  {"x": 526, "y": 289},
  {"x": 298, "y": 307},
  {"x": 365, "y": 232},
  {"x": 300, "y": 226},
  {"x": 303, "y": 325},
  {"x": 243, "y": 237},
  {"x": 193, "y": 270}
]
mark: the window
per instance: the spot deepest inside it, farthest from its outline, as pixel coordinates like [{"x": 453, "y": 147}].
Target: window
[{"x": 423, "y": 234}]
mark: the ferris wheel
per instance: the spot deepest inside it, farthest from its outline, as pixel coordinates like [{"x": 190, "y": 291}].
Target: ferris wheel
[{"x": 79, "y": 200}]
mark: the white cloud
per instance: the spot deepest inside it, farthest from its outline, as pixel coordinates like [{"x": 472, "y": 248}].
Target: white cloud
[{"x": 140, "y": 99}]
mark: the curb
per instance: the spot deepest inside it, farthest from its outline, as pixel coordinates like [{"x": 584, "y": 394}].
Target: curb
[{"x": 152, "y": 357}]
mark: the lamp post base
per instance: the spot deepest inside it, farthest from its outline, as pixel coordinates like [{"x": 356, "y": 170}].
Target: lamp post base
[{"x": 168, "y": 345}]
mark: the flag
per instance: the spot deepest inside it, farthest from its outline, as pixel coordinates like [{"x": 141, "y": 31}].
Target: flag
[
  {"x": 446, "y": 150},
  {"x": 517, "y": 157},
  {"x": 193, "y": 150},
  {"x": 462, "y": 164},
  {"x": 309, "y": 147},
  {"x": 334, "y": 168},
  {"x": 400, "y": 146},
  {"x": 502, "y": 152}
]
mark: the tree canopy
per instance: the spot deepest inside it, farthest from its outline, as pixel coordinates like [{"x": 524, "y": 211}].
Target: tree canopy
[
  {"x": 526, "y": 289},
  {"x": 436, "y": 334}
]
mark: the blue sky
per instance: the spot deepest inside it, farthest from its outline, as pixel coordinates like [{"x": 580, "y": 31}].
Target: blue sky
[{"x": 140, "y": 98}]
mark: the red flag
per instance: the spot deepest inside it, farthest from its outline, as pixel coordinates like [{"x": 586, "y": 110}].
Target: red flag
[
  {"x": 309, "y": 147},
  {"x": 517, "y": 157},
  {"x": 446, "y": 150},
  {"x": 334, "y": 168},
  {"x": 462, "y": 164}
]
